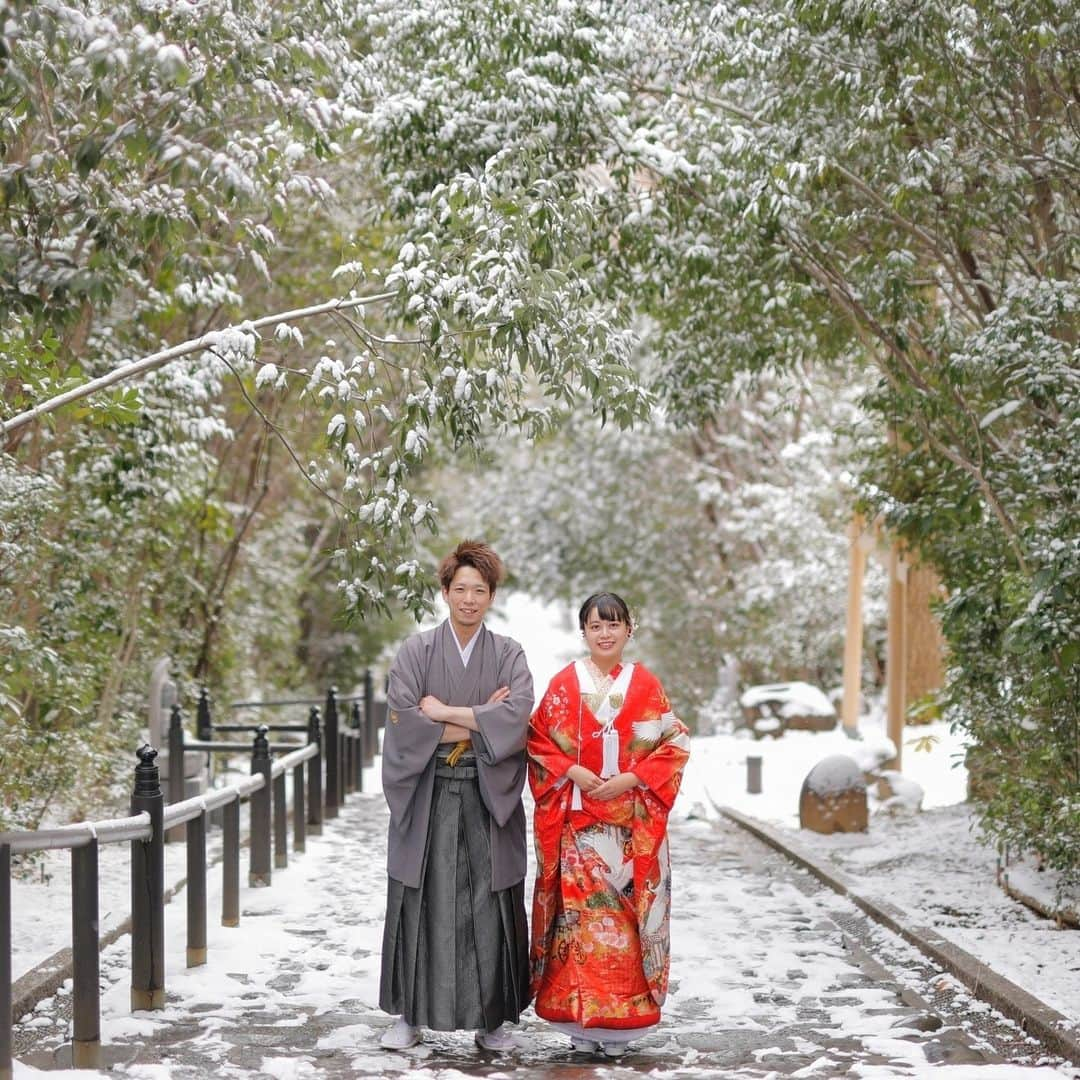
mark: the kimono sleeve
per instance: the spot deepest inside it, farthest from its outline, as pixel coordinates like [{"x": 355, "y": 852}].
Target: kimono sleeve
[
  {"x": 660, "y": 770},
  {"x": 548, "y": 762},
  {"x": 502, "y": 725},
  {"x": 499, "y": 741},
  {"x": 410, "y": 739}
]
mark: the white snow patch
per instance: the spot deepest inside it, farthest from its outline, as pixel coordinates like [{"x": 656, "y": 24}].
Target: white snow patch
[{"x": 795, "y": 698}]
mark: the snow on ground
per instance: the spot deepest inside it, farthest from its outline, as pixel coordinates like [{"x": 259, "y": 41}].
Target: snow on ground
[
  {"x": 932, "y": 866},
  {"x": 41, "y": 902},
  {"x": 292, "y": 992},
  {"x": 929, "y": 863}
]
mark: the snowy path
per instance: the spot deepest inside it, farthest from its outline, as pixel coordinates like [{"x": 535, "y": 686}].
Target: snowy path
[{"x": 762, "y": 985}]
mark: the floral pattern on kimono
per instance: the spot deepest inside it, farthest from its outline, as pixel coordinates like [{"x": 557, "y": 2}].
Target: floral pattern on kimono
[{"x": 602, "y": 900}]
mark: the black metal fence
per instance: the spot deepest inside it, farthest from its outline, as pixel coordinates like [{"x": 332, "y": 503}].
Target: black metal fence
[
  {"x": 350, "y": 734},
  {"x": 340, "y": 751}
]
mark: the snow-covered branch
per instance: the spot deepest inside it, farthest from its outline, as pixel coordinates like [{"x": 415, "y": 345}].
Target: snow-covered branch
[{"x": 240, "y": 338}]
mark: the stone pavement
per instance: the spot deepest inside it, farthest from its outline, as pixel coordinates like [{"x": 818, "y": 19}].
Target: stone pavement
[{"x": 772, "y": 975}]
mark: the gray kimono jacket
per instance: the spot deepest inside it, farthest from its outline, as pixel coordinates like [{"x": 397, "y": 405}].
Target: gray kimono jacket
[{"x": 429, "y": 663}]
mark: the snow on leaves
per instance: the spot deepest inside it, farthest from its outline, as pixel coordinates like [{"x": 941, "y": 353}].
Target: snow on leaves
[{"x": 564, "y": 193}]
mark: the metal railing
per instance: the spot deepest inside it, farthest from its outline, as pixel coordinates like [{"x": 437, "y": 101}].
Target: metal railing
[
  {"x": 147, "y": 828},
  {"x": 349, "y": 747}
]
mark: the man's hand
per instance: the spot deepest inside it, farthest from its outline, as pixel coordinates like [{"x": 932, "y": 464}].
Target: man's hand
[
  {"x": 614, "y": 786},
  {"x": 499, "y": 695},
  {"x": 585, "y": 779},
  {"x": 439, "y": 713},
  {"x": 434, "y": 709}
]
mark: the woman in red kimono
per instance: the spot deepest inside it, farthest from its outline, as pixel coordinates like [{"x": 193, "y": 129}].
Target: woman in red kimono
[{"x": 605, "y": 761}]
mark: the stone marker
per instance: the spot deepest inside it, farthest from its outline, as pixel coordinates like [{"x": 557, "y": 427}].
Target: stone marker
[{"x": 833, "y": 796}]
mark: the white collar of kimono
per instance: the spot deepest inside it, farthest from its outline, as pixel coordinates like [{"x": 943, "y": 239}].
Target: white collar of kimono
[
  {"x": 615, "y": 696},
  {"x": 465, "y": 651}
]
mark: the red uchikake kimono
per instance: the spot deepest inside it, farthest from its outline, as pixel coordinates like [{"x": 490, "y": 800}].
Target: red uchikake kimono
[{"x": 600, "y": 948}]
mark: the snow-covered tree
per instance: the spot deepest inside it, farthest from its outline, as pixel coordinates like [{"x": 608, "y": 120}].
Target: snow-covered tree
[
  {"x": 773, "y": 182},
  {"x": 774, "y": 185},
  {"x": 728, "y": 541},
  {"x": 173, "y": 176}
]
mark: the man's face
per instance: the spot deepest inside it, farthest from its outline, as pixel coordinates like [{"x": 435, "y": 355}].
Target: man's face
[{"x": 468, "y": 597}]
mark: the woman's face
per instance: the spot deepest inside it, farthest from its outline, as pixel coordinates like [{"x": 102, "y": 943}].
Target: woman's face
[{"x": 606, "y": 639}]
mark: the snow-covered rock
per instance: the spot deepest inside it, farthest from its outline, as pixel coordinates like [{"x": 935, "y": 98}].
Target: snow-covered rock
[
  {"x": 833, "y": 796},
  {"x": 796, "y": 705},
  {"x": 899, "y": 794},
  {"x": 872, "y": 751}
]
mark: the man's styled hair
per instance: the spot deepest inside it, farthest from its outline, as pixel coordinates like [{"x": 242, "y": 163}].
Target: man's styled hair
[{"x": 480, "y": 557}]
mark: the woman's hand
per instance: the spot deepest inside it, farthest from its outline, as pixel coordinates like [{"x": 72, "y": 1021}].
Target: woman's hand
[
  {"x": 585, "y": 779},
  {"x": 614, "y": 786}
]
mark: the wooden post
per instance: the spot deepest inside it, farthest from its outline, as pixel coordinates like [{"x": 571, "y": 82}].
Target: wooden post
[
  {"x": 896, "y": 652},
  {"x": 314, "y": 785},
  {"x": 924, "y": 659},
  {"x": 176, "y": 767},
  {"x": 332, "y": 753},
  {"x": 204, "y": 725},
  {"x": 348, "y": 772},
  {"x": 853, "y": 634},
  {"x": 753, "y": 774},
  {"x": 371, "y": 730},
  {"x": 358, "y": 746},
  {"x": 281, "y": 822},
  {"x": 299, "y": 809}
]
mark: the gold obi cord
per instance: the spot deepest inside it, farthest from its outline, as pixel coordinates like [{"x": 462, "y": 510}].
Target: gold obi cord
[{"x": 459, "y": 748}]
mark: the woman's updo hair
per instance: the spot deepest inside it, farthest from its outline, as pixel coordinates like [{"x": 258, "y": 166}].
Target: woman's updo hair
[{"x": 608, "y": 605}]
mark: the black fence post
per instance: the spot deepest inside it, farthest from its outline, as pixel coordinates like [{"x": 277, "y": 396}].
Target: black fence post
[
  {"x": 204, "y": 725},
  {"x": 358, "y": 747},
  {"x": 176, "y": 765},
  {"x": 281, "y": 823},
  {"x": 148, "y": 890},
  {"x": 371, "y": 731},
  {"x": 314, "y": 792},
  {"x": 86, "y": 993},
  {"x": 299, "y": 810},
  {"x": 230, "y": 863},
  {"x": 348, "y": 775},
  {"x": 196, "y": 890},
  {"x": 259, "y": 871},
  {"x": 6, "y": 1066},
  {"x": 331, "y": 748}
]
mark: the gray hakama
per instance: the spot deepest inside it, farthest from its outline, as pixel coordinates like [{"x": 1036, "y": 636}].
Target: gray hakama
[
  {"x": 455, "y": 944},
  {"x": 455, "y": 953}
]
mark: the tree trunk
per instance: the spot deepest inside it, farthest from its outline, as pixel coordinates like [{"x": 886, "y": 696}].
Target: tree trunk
[{"x": 924, "y": 667}]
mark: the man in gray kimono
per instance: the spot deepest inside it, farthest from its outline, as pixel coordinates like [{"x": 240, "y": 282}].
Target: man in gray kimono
[{"x": 455, "y": 944}]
